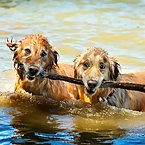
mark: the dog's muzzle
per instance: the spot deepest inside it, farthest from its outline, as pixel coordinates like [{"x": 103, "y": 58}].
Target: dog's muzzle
[
  {"x": 92, "y": 84},
  {"x": 33, "y": 71}
]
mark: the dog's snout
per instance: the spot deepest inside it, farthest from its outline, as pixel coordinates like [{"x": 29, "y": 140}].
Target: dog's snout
[
  {"x": 33, "y": 70},
  {"x": 92, "y": 83}
]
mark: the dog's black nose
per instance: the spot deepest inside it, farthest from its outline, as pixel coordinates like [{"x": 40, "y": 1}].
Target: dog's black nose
[
  {"x": 33, "y": 70},
  {"x": 92, "y": 84}
]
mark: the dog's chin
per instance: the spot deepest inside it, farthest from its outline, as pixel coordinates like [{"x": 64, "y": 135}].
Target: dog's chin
[{"x": 90, "y": 92}]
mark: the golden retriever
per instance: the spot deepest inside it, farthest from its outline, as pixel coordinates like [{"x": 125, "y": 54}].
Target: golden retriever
[
  {"x": 34, "y": 55},
  {"x": 93, "y": 67}
]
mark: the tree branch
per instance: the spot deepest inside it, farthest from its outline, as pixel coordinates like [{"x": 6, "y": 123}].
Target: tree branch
[{"x": 105, "y": 84}]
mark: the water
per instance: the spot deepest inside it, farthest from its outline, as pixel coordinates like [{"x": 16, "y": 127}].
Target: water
[{"x": 72, "y": 26}]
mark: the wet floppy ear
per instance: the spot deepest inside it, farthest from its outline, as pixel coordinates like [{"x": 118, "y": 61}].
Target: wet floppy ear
[
  {"x": 52, "y": 58},
  {"x": 76, "y": 63},
  {"x": 52, "y": 53},
  {"x": 17, "y": 64},
  {"x": 114, "y": 69},
  {"x": 14, "y": 47},
  {"x": 55, "y": 54}
]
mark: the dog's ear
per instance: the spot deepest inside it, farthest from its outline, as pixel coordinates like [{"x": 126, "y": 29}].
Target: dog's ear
[
  {"x": 55, "y": 53},
  {"x": 52, "y": 59},
  {"x": 114, "y": 69},
  {"x": 75, "y": 73},
  {"x": 13, "y": 47},
  {"x": 17, "y": 65},
  {"x": 76, "y": 63}
]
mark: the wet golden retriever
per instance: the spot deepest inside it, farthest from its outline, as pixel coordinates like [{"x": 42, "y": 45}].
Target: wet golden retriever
[
  {"x": 34, "y": 55},
  {"x": 93, "y": 67}
]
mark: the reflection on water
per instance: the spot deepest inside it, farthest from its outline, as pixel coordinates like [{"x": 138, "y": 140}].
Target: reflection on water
[
  {"x": 27, "y": 124},
  {"x": 73, "y": 26}
]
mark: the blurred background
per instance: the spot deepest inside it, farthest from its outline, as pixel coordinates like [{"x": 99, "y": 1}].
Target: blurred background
[
  {"x": 118, "y": 26},
  {"x": 74, "y": 25}
]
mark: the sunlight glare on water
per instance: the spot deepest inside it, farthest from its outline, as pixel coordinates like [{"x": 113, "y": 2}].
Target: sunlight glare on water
[{"x": 72, "y": 26}]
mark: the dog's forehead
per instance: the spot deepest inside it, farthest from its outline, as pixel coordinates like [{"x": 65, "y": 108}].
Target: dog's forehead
[
  {"x": 98, "y": 51},
  {"x": 27, "y": 41},
  {"x": 34, "y": 40},
  {"x": 95, "y": 53}
]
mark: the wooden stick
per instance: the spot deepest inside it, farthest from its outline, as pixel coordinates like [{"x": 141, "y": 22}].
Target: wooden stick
[
  {"x": 105, "y": 84},
  {"x": 124, "y": 85},
  {"x": 62, "y": 78}
]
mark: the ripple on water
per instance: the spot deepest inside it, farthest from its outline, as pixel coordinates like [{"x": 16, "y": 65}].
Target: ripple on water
[{"x": 72, "y": 27}]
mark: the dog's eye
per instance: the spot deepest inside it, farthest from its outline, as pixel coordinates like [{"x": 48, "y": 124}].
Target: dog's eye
[
  {"x": 102, "y": 66},
  {"x": 27, "y": 51},
  {"x": 43, "y": 53},
  {"x": 86, "y": 65}
]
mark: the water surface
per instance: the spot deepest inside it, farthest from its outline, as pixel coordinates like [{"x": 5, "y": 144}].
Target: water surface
[{"x": 72, "y": 26}]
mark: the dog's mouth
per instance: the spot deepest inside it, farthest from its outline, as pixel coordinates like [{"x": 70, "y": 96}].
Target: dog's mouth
[
  {"x": 92, "y": 87},
  {"x": 30, "y": 78},
  {"x": 32, "y": 72},
  {"x": 90, "y": 91}
]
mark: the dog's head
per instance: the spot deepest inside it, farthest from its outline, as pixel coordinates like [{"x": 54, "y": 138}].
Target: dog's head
[
  {"x": 93, "y": 67},
  {"x": 33, "y": 55}
]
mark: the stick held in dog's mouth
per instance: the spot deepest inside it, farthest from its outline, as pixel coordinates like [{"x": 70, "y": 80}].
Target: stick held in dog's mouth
[
  {"x": 31, "y": 78},
  {"x": 105, "y": 84},
  {"x": 53, "y": 76}
]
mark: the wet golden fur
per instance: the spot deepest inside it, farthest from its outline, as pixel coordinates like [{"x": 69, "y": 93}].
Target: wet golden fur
[
  {"x": 96, "y": 65},
  {"x": 35, "y": 53}
]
